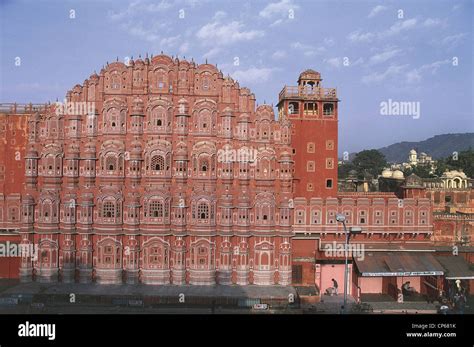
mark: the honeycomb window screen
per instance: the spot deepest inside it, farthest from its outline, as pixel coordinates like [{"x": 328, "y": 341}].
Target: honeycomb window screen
[
  {"x": 310, "y": 166},
  {"x": 329, "y": 144},
  {"x": 329, "y": 163},
  {"x": 310, "y": 147}
]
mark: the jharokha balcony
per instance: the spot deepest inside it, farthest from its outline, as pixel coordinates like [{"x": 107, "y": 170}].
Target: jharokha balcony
[{"x": 307, "y": 92}]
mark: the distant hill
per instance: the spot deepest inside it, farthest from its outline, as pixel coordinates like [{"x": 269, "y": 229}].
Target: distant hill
[{"x": 439, "y": 146}]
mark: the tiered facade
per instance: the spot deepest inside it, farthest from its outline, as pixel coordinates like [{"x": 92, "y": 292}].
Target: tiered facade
[
  {"x": 174, "y": 177},
  {"x": 163, "y": 171}
]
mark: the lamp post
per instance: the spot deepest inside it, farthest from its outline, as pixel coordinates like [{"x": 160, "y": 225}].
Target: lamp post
[{"x": 352, "y": 230}]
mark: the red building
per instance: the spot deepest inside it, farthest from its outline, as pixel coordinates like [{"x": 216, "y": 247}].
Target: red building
[
  {"x": 165, "y": 171},
  {"x": 13, "y": 140},
  {"x": 173, "y": 176}
]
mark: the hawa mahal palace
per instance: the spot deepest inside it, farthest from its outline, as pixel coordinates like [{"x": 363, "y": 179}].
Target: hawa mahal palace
[{"x": 164, "y": 171}]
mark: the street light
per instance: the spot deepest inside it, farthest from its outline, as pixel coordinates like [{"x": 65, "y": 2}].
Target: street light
[{"x": 352, "y": 230}]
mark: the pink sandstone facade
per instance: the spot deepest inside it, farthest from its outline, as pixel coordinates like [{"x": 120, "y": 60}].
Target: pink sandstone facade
[
  {"x": 168, "y": 173},
  {"x": 148, "y": 188}
]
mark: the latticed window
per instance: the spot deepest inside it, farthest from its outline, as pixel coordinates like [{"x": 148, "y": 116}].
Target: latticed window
[
  {"x": 204, "y": 121},
  {"x": 113, "y": 117},
  {"x": 115, "y": 81},
  {"x": 158, "y": 117},
  {"x": 108, "y": 209},
  {"x": 157, "y": 163},
  {"x": 111, "y": 163},
  {"x": 205, "y": 83},
  {"x": 156, "y": 209},
  {"x": 203, "y": 211},
  {"x": 204, "y": 165}
]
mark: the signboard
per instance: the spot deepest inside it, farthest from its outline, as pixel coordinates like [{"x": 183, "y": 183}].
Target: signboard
[{"x": 402, "y": 274}]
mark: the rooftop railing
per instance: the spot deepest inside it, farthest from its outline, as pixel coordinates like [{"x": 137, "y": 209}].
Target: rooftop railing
[
  {"x": 308, "y": 92},
  {"x": 14, "y": 108}
]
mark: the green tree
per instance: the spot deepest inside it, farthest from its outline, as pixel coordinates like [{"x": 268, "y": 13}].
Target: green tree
[
  {"x": 344, "y": 169},
  {"x": 369, "y": 162},
  {"x": 464, "y": 160},
  {"x": 419, "y": 170}
]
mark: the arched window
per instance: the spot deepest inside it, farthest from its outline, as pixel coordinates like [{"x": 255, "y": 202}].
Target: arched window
[
  {"x": 116, "y": 81},
  {"x": 108, "y": 209},
  {"x": 157, "y": 163},
  {"x": 113, "y": 117},
  {"x": 158, "y": 117},
  {"x": 203, "y": 211},
  {"x": 156, "y": 209},
  {"x": 204, "y": 121},
  {"x": 111, "y": 163},
  {"x": 204, "y": 165},
  {"x": 160, "y": 79},
  {"x": 205, "y": 83}
]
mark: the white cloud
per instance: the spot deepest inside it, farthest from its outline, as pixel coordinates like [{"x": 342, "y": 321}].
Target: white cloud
[
  {"x": 401, "y": 73},
  {"x": 276, "y": 23},
  {"x": 279, "y": 54},
  {"x": 308, "y": 50},
  {"x": 451, "y": 41},
  {"x": 216, "y": 33},
  {"x": 335, "y": 62},
  {"x": 456, "y": 7},
  {"x": 211, "y": 53},
  {"x": 281, "y": 8},
  {"x": 433, "y": 22},
  {"x": 383, "y": 56},
  {"x": 329, "y": 41},
  {"x": 139, "y": 7},
  {"x": 359, "y": 37},
  {"x": 184, "y": 47},
  {"x": 253, "y": 75},
  {"x": 358, "y": 61},
  {"x": 219, "y": 15},
  {"x": 170, "y": 41},
  {"x": 376, "y": 10},
  {"x": 150, "y": 33},
  {"x": 338, "y": 62},
  {"x": 399, "y": 27},
  {"x": 377, "y": 77},
  {"x": 415, "y": 75}
]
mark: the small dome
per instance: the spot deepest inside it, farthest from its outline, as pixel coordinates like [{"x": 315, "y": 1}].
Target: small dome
[
  {"x": 181, "y": 154},
  {"x": 454, "y": 173},
  {"x": 285, "y": 155},
  {"x": 387, "y": 173},
  {"x": 397, "y": 174},
  {"x": 412, "y": 151},
  {"x": 28, "y": 198},
  {"x": 310, "y": 74},
  {"x": 227, "y": 111}
]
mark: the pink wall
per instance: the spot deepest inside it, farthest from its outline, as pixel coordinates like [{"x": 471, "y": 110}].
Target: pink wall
[
  {"x": 335, "y": 271},
  {"x": 371, "y": 285}
]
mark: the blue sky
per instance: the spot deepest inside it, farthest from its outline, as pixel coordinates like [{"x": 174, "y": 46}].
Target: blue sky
[{"x": 370, "y": 50}]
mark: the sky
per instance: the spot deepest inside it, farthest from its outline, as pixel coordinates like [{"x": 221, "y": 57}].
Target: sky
[{"x": 415, "y": 53}]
